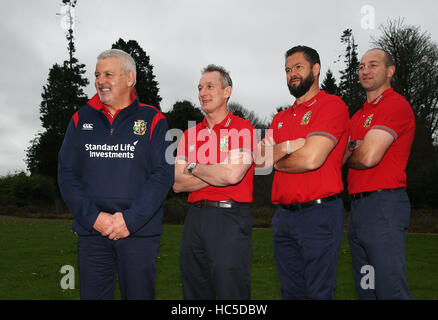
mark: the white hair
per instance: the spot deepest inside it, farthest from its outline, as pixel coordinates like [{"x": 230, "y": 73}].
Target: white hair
[{"x": 126, "y": 61}]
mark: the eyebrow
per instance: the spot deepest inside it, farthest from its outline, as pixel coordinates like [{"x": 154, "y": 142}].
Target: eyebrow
[
  {"x": 206, "y": 83},
  {"x": 295, "y": 64},
  {"x": 103, "y": 71},
  {"x": 372, "y": 61}
]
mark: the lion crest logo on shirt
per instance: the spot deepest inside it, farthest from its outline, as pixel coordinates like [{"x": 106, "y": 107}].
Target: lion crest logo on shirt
[
  {"x": 223, "y": 145},
  {"x": 368, "y": 120},
  {"x": 306, "y": 118},
  {"x": 139, "y": 127}
]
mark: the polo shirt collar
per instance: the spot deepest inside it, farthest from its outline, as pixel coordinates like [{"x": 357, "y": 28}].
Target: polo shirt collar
[
  {"x": 224, "y": 123},
  {"x": 376, "y": 101},
  {"x": 311, "y": 101}
]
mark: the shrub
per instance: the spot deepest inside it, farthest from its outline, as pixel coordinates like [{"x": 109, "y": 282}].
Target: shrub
[{"x": 21, "y": 190}]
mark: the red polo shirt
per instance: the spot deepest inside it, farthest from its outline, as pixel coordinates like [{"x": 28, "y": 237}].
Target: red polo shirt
[
  {"x": 325, "y": 115},
  {"x": 200, "y": 144},
  {"x": 392, "y": 113}
]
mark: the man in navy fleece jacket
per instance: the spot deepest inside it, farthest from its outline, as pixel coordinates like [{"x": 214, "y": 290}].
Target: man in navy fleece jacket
[{"x": 114, "y": 178}]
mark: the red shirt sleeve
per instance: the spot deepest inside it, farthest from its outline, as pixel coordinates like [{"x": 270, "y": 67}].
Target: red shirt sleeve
[
  {"x": 394, "y": 119},
  {"x": 330, "y": 121}
]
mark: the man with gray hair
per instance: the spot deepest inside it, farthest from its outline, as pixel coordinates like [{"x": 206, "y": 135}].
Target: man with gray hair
[
  {"x": 214, "y": 163},
  {"x": 114, "y": 178}
]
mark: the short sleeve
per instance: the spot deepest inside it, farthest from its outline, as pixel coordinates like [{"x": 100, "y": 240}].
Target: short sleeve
[
  {"x": 330, "y": 120},
  {"x": 395, "y": 118}
]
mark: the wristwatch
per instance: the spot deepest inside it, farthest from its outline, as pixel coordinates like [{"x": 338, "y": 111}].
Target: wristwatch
[
  {"x": 352, "y": 145},
  {"x": 191, "y": 166}
]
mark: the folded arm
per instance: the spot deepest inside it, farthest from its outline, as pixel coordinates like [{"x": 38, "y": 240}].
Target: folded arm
[
  {"x": 229, "y": 172},
  {"x": 184, "y": 181},
  {"x": 310, "y": 157},
  {"x": 270, "y": 152},
  {"x": 369, "y": 151}
]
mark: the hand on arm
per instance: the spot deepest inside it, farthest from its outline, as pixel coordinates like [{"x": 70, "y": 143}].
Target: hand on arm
[
  {"x": 310, "y": 156},
  {"x": 350, "y": 148},
  {"x": 229, "y": 172},
  {"x": 184, "y": 181},
  {"x": 270, "y": 152}
]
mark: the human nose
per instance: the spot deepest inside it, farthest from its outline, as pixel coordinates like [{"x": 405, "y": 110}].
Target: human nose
[
  {"x": 201, "y": 92},
  {"x": 100, "y": 79},
  {"x": 292, "y": 72},
  {"x": 364, "y": 69}
]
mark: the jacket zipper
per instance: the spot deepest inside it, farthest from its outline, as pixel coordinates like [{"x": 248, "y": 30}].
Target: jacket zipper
[{"x": 111, "y": 123}]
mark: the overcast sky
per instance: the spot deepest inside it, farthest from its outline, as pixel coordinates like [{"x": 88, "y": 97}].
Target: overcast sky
[{"x": 248, "y": 37}]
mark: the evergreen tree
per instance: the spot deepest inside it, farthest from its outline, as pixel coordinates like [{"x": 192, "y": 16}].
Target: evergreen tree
[
  {"x": 182, "y": 112},
  {"x": 350, "y": 89},
  {"x": 329, "y": 83},
  {"x": 146, "y": 86},
  {"x": 62, "y": 96}
]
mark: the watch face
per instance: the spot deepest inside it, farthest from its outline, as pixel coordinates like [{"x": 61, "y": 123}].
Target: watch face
[
  {"x": 190, "y": 167},
  {"x": 352, "y": 145}
]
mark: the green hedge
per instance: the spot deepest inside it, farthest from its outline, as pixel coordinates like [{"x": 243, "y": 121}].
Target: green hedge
[{"x": 20, "y": 190}]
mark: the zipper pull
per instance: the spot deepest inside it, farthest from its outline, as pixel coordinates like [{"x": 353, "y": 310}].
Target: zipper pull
[{"x": 111, "y": 131}]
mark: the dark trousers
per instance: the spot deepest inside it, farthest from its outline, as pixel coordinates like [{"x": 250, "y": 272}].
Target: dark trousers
[
  {"x": 376, "y": 234},
  {"x": 215, "y": 253},
  {"x": 133, "y": 259},
  {"x": 306, "y": 245}
]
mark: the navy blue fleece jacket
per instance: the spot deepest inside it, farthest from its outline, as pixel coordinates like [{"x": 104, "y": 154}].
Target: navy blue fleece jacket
[{"x": 118, "y": 166}]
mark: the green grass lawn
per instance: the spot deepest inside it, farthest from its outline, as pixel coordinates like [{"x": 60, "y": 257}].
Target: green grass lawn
[{"x": 32, "y": 253}]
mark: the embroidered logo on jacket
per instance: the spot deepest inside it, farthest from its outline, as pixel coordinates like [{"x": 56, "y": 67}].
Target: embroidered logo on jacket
[
  {"x": 139, "y": 127},
  {"x": 223, "y": 146},
  {"x": 87, "y": 126},
  {"x": 368, "y": 121},
  {"x": 306, "y": 118}
]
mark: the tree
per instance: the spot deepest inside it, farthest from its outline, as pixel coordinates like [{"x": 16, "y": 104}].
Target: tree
[
  {"x": 350, "y": 89},
  {"x": 181, "y": 113},
  {"x": 146, "y": 86},
  {"x": 238, "y": 110},
  {"x": 415, "y": 78},
  {"x": 61, "y": 98},
  {"x": 329, "y": 83}
]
